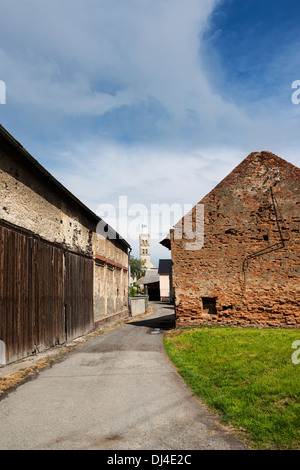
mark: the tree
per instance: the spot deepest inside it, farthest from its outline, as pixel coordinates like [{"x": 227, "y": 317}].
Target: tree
[{"x": 137, "y": 267}]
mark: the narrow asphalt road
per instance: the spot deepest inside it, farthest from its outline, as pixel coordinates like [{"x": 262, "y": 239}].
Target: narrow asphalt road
[{"x": 116, "y": 391}]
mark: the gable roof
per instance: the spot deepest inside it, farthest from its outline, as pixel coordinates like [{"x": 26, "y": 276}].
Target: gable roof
[
  {"x": 164, "y": 266},
  {"x": 243, "y": 171},
  {"x": 150, "y": 277},
  {"x": 34, "y": 163}
]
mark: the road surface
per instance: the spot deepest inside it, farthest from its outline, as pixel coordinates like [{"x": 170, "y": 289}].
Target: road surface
[{"x": 116, "y": 391}]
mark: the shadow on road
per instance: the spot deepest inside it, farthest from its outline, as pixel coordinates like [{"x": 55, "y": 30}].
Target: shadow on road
[{"x": 165, "y": 322}]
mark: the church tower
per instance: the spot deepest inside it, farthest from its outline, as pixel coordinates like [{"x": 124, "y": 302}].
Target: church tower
[{"x": 145, "y": 248}]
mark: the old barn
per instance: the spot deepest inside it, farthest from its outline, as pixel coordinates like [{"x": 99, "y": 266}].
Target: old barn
[{"x": 59, "y": 278}]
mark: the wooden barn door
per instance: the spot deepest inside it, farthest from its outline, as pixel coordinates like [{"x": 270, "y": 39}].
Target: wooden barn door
[
  {"x": 79, "y": 295},
  {"x": 31, "y": 294},
  {"x": 46, "y": 294},
  {"x": 16, "y": 300}
]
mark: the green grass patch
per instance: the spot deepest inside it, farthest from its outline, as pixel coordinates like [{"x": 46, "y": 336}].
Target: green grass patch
[{"x": 247, "y": 375}]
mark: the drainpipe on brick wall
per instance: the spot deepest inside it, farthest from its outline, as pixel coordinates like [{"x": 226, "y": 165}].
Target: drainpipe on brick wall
[{"x": 128, "y": 296}]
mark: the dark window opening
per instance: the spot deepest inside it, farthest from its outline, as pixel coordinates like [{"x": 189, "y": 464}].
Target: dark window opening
[
  {"x": 209, "y": 305},
  {"x": 266, "y": 238}
]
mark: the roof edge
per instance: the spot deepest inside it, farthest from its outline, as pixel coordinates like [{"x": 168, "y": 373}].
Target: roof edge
[
  {"x": 9, "y": 137},
  {"x": 264, "y": 154}
]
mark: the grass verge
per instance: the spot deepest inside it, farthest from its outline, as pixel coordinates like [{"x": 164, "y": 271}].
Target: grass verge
[{"x": 247, "y": 375}]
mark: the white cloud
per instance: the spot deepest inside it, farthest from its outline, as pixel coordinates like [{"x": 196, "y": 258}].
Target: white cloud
[
  {"x": 150, "y": 181},
  {"x": 146, "y": 47},
  {"x": 99, "y": 171},
  {"x": 147, "y": 180},
  {"x": 85, "y": 59}
]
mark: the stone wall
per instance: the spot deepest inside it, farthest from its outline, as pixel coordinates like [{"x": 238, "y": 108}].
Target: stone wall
[
  {"x": 111, "y": 289},
  {"x": 247, "y": 272},
  {"x": 31, "y": 199}
]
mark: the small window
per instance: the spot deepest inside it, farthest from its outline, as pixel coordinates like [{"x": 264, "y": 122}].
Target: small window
[
  {"x": 266, "y": 238},
  {"x": 209, "y": 305}
]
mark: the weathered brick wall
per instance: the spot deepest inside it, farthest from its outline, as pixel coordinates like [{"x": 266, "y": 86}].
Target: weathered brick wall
[{"x": 223, "y": 283}]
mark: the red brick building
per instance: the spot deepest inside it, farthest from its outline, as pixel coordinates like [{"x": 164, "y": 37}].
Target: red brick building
[{"x": 246, "y": 270}]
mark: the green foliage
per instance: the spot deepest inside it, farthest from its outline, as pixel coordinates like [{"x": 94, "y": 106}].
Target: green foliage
[
  {"x": 133, "y": 291},
  {"x": 247, "y": 375},
  {"x": 137, "y": 267}
]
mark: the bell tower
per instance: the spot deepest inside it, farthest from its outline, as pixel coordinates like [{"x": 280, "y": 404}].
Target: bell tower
[{"x": 145, "y": 247}]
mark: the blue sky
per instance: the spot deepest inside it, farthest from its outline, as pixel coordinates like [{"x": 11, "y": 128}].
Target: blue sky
[{"x": 153, "y": 100}]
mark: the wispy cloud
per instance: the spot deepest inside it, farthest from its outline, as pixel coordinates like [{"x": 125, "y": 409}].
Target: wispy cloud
[
  {"x": 145, "y": 48},
  {"x": 156, "y": 100},
  {"x": 152, "y": 179}
]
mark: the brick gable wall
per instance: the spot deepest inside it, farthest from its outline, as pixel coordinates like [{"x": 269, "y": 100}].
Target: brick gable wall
[{"x": 247, "y": 272}]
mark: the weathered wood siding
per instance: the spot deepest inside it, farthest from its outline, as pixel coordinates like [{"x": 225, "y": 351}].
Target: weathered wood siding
[
  {"x": 79, "y": 295},
  {"x": 46, "y": 294}
]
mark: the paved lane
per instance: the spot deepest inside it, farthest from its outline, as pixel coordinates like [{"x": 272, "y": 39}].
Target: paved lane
[{"x": 116, "y": 391}]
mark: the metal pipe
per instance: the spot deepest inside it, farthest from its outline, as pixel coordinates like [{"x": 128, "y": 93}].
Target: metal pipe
[{"x": 128, "y": 291}]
